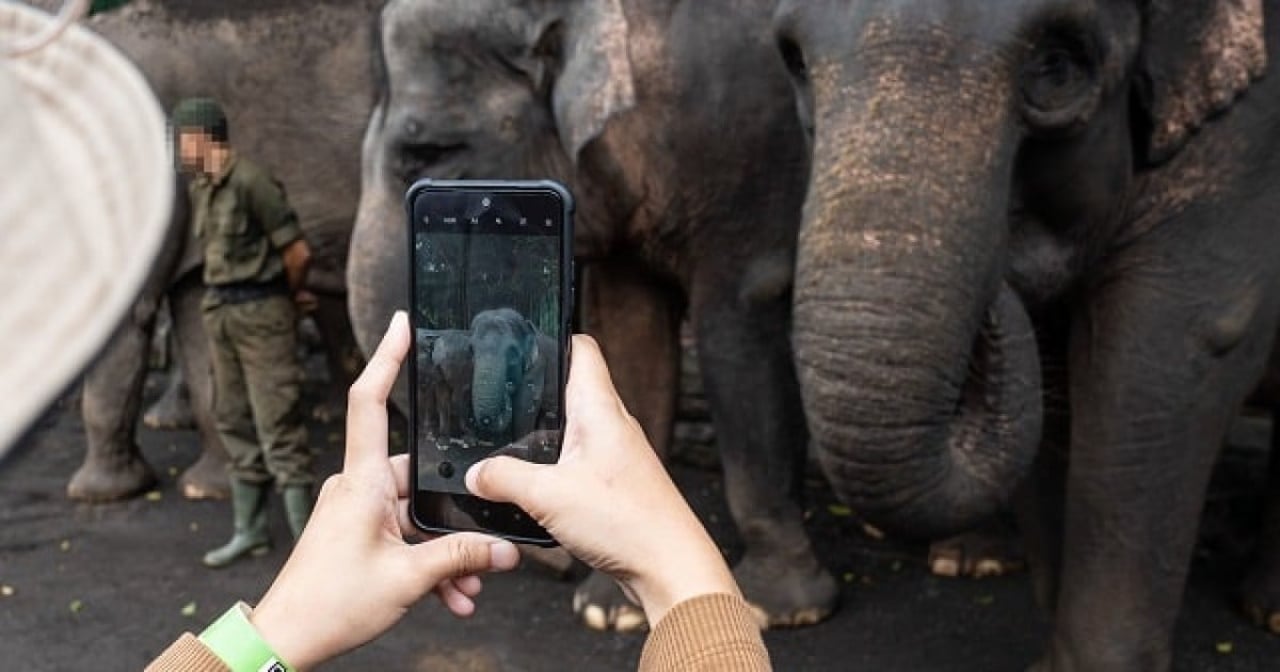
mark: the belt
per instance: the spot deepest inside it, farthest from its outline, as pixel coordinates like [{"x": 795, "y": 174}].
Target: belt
[{"x": 244, "y": 292}]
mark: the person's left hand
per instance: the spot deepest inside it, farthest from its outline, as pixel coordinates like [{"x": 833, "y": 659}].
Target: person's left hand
[
  {"x": 352, "y": 576},
  {"x": 306, "y": 301}
]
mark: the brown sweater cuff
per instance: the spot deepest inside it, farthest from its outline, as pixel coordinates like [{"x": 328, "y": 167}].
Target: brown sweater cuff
[
  {"x": 187, "y": 655},
  {"x": 709, "y": 632}
]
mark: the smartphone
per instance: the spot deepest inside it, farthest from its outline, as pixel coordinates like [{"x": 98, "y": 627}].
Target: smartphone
[{"x": 491, "y": 297}]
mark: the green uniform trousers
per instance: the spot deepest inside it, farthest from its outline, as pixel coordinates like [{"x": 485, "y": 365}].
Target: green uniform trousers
[{"x": 257, "y": 382}]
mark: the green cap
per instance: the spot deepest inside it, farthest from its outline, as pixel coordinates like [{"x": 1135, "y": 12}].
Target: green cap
[{"x": 203, "y": 113}]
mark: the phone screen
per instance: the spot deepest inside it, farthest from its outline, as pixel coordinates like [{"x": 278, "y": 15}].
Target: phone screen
[{"x": 489, "y": 291}]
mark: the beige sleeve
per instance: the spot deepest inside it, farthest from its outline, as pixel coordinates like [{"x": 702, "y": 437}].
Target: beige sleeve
[
  {"x": 710, "y": 633},
  {"x": 187, "y": 655}
]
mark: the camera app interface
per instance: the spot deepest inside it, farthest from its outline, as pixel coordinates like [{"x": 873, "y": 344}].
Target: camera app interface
[{"x": 487, "y": 320}]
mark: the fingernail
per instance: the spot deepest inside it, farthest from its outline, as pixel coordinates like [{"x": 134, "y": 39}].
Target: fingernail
[
  {"x": 473, "y": 476},
  {"x": 399, "y": 315},
  {"x": 503, "y": 555}
]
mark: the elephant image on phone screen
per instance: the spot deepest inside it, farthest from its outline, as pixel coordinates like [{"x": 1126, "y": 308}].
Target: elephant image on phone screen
[
  {"x": 445, "y": 364},
  {"x": 516, "y": 375}
]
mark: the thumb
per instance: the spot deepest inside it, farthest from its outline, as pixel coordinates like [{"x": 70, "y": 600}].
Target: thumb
[
  {"x": 504, "y": 479},
  {"x": 461, "y": 554}
]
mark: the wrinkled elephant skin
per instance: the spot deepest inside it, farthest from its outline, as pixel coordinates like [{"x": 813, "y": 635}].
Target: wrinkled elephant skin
[
  {"x": 1034, "y": 230},
  {"x": 672, "y": 125}
]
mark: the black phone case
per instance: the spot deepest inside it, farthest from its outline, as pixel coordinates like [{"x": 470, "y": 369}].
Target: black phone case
[{"x": 567, "y": 299}]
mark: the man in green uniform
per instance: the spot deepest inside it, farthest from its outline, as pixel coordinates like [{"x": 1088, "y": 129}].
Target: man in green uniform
[{"x": 255, "y": 263}]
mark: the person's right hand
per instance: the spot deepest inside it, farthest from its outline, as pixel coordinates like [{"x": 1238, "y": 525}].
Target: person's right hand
[{"x": 609, "y": 500}]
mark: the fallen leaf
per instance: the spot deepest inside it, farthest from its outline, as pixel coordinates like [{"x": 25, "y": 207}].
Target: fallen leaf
[
  {"x": 189, "y": 610},
  {"x": 872, "y": 531},
  {"x": 6, "y": 590},
  {"x": 848, "y": 577},
  {"x": 173, "y": 471},
  {"x": 840, "y": 510},
  {"x": 194, "y": 527},
  {"x": 76, "y": 606},
  {"x": 65, "y": 545},
  {"x": 154, "y": 496},
  {"x": 1224, "y": 648}
]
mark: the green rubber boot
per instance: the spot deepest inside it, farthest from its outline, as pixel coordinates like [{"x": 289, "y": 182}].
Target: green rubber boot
[
  {"x": 297, "y": 507},
  {"x": 249, "y": 511}
]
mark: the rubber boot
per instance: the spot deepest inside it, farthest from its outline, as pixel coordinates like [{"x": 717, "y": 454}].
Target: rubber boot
[
  {"x": 249, "y": 511},
  {"x": 297, "y": 507}
]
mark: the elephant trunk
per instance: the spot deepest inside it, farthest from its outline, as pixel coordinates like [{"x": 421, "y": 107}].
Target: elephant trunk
[
  {"x": 491, "y": 395},
  {"x": 918, "y": 364}
]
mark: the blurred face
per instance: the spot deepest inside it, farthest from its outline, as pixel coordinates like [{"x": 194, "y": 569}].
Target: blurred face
[{"x": 193, "y": 149}]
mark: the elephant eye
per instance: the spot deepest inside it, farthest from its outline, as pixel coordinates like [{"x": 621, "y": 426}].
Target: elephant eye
[
  {"x": 793, "y": 57},
  {"x": 1059, "y": 87},
  {"x": 415, "y": 159}
]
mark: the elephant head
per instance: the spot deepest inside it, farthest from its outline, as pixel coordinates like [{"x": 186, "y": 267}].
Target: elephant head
[
  {"x": 482, "y": 89},
  {"x": 508, "y": 367},
  {"x": 969, "y": 160}
]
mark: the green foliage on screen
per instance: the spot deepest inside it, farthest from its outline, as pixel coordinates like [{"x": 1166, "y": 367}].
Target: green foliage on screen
[
  {"x": 100, "y": 6},
  {"x": 459, "y": 276}
]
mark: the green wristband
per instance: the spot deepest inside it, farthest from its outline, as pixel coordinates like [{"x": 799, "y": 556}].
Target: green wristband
[{"x": 234, "y": 639}]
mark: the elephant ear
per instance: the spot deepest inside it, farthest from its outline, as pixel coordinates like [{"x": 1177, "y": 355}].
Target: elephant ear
[
  {"x": 595, "y": 81},
  {"x": 1197, "y": 57}
]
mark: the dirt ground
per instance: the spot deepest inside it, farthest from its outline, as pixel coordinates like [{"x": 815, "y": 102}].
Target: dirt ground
[{"x": 107, "y": 587}]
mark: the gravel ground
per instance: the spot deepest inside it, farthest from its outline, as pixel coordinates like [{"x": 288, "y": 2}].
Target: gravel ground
[{"x": 107, "y": 587}]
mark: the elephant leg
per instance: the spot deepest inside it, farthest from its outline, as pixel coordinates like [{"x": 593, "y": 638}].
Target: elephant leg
[
  {"x": 1161, "y": 360},
  {"x": 342, "y": 355},
  {"x": 1260, "y": 590},
  {"x": 207, "y": 477},
  {"x": 173, "y": 409},
  {"x": 113, "y": 466},
  {"x": 637, "y": 323},
  {"x": 750, "y": 381},
  {"x": 1039, "y": 502}
]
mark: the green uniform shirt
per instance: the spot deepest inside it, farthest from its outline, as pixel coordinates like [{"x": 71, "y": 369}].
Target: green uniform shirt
[{"x": 243, "y": 220}]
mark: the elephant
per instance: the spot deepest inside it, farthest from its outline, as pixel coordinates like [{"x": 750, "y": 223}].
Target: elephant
[
  {"x": 446, "y": 362},
  {"x": 293, "y": 77},
  {"x": 1039, "y": 234},
  {"x": 671, "y": 122},
  {"x": 515, "y": 388}
]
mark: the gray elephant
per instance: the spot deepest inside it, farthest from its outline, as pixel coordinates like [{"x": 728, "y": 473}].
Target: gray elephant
[
  {"x": 446, "y": 363},
  {"x": 1040, "y": 232},
  {"x": 672, "y": 124},
  {"x": 293, "y": 77},
  {"x": 515, "y": 389}
]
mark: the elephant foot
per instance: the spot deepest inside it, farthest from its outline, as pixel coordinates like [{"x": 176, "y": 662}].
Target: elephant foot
[
  {"x": 1260, "y": 597},
  {"x": 602, "y": 605},
  {"x": 171, "y": 411},
  {"x": 784, "y": 593},
  {"x": 108, "y": 479},
  {"x": 995, "y": 550},
  {"x": 207, "y": 478}
]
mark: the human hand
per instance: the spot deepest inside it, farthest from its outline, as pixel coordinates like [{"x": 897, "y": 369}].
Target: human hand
[
  {"x": 609, "y": 499},
  {"x": 352, "y": 576},
  {"x": 306, "y": 301}
]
